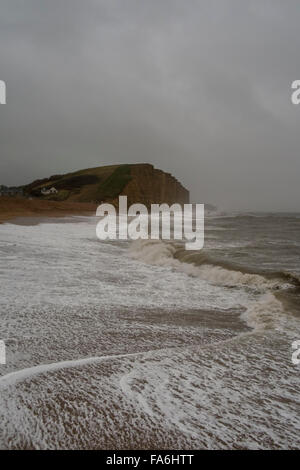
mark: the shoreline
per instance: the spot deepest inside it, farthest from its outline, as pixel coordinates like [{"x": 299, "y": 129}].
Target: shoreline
[{"x": 12, "y": 208}]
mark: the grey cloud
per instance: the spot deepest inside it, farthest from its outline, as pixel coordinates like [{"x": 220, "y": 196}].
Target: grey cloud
[{"x": 198, "y": 88}]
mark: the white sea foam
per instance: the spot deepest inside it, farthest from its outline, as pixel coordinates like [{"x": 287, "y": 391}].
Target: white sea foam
[
  {"x": 162, "y": 254},
  {"x": 71, "y": 267},
  {"x": 267, "y": 313},
  {"x": 140, "y": 373},
  {"x": 262, "y": 313},
  {"x": 19, "y": 375}
]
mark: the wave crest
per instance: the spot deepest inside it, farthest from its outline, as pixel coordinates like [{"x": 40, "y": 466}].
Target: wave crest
[
  {"x": 200, "y": 265},
  {"x": 260, "y": 314}
]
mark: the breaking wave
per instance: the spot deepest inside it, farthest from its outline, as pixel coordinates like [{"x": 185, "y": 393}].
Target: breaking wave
[
  {"x": 265, "y": 312},
  {"x": 206, "y": 268}
]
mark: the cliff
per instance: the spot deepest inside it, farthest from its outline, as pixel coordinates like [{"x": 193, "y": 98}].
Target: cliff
[
  {"x": 141, "y": 183},
  {"x": 149, "y": 185}
]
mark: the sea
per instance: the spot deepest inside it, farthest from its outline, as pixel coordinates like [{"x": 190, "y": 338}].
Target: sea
[{"x": 145, "y": 345}]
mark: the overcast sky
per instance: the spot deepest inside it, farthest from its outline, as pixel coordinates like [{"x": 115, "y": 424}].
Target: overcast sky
[{"x": 199, "y": 88}]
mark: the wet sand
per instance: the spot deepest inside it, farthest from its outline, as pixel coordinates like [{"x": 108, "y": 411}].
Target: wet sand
[{"x": 116, "y": 345}]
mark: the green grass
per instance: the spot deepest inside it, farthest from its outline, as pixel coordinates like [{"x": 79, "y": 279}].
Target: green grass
[
  {"x": 62, "y": 195},
  {"x": 91, "y": 184},
  {"x": 115, "y": 183}
]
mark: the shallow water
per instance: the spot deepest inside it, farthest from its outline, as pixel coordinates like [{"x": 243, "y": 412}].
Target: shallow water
[{"x": 144, "y": 345}]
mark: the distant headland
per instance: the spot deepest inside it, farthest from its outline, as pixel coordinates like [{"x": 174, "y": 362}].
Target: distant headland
[
  {"x": 83, "y": 190},
  {"x": 140, "y": 182}
]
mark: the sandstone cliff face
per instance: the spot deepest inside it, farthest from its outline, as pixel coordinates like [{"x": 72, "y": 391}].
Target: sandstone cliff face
[{"x": 149, "y": 185}]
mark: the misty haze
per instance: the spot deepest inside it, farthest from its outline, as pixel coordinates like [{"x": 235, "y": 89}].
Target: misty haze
[
  {"x": 199, "y": 88},
  {"x": 149, "y": 343}
]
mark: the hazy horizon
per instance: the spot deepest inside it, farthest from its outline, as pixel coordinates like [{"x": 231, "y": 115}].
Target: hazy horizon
[{"x": 201, "y": 90}]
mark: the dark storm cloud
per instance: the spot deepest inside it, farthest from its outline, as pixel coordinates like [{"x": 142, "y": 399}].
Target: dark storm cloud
[{"x": 198, "y": 88}]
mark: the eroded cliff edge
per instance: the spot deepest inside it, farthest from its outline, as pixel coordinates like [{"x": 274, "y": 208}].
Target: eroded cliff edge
[{"x": 153, "y": 186}]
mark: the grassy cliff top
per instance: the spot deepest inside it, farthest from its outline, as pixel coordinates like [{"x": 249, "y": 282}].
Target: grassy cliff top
[{"x": 90, "y": 184}]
